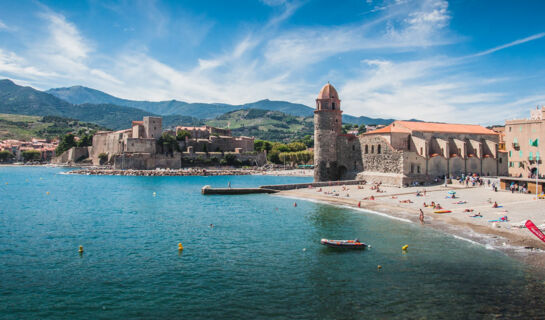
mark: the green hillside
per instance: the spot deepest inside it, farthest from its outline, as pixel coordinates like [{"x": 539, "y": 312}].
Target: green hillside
[
  {"x": 265, "y": 124},
  {"x": 21, "y": 127},
  {"x": 16, "y": 99}
]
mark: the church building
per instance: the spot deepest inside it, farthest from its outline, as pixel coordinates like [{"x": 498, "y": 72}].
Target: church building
[{"x": 402, "y": 152}]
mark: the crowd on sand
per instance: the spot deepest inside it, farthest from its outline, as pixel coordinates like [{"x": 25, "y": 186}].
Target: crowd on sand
[{"x": 471, "y": 203}]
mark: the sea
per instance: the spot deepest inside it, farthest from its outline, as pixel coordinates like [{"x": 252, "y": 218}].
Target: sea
[{"x": 244, "y": 257}]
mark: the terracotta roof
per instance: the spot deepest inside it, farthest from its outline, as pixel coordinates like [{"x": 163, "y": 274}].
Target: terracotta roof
[
  {"x": 409, "y": 126},
  {"x": 328, "y": 91},
  {"x": 138, "y": 123}
]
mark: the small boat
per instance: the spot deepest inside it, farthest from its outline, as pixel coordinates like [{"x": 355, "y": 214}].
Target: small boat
[
  {"x": 354, "y": 244},
  {"x": 442, "y": 211}
]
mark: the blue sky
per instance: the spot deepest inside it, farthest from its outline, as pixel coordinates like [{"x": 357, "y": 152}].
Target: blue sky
[{"x": 454, "y": 61}]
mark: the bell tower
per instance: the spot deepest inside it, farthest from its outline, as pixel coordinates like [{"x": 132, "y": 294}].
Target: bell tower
[{"x": 327, "y": 126}]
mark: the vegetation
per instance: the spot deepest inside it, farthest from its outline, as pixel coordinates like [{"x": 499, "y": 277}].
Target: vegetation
[
  {"x": 294, "y": 152},
  {"x": 168, "y": 143},
  {"x": 21, "y": 127},
  {"x": 6, "y": 155},
  {"x": 31, "y": 155},
  {"x": 103, "y": 157},
  {"x": 265, "y": 124},
  {"x": 182, "y": 134},
  {"x": 299, "y": 157}
]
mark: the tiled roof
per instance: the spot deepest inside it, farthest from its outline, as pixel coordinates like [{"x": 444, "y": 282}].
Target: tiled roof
[{"x": 410, "y": 126}]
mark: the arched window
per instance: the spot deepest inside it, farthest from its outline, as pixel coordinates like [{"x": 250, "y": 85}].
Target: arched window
[
  {"x": 378, "y": 148},
  {"x": 366, "y": 149}
]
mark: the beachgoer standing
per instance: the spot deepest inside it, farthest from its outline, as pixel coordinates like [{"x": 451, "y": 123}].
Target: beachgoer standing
[{"x": 421, "y": 217}]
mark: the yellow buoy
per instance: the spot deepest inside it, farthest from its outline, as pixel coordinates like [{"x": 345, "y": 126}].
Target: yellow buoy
[
  {"x": 47, "y": 192},
  {"x": 379, "y": 267},
  {"x": 405, "y": 247},
  {"x": 180, "y": 247},
  {"x": 80, "y": 249},
  {"x": 154, "y": 194}
]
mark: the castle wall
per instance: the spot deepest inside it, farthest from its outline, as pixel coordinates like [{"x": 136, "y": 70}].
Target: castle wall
[
  {"x": 136, "y": 145},
  {"x": 110, "y": 143},
  {"x": 473, "y": 165},
  {"x": 153, "y": 127}
]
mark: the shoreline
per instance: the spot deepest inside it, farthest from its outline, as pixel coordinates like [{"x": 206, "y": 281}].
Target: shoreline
[{"x": 515, "y": 243}]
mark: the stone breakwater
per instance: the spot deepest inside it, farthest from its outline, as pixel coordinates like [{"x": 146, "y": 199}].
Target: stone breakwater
[{"x": 167, "y": 172}]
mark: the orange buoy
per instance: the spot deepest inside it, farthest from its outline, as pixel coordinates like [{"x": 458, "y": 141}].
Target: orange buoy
[
  {"x": 295, "y": 204},
  {"x": 359, "y": 204}
]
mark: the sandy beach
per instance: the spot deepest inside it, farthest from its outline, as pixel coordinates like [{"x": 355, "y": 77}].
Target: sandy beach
[{"x": 404, "y": 204}]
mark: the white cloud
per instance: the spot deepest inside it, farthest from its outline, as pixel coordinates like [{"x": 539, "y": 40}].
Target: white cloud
[
  {"x": 3, "y": 26},
  {"x": 511, "y": 44}
]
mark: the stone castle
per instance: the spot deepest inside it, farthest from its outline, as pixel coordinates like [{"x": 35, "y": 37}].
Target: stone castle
[
  {"x": 139, "y": 147},
  {"x": 401, "y": 153}
]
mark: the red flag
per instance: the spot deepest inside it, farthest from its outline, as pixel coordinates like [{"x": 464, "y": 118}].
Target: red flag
[{"x": 535, "y": 230}]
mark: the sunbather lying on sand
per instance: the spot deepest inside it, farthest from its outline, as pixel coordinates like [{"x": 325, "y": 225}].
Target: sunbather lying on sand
[{"x": 477, "y": 215}]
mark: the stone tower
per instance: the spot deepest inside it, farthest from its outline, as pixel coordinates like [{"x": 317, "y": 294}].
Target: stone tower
[{"x": 327, "y": 126}]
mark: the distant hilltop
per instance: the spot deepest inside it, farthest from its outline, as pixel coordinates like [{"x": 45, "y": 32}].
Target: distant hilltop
[{"x": 81, "y": 95}]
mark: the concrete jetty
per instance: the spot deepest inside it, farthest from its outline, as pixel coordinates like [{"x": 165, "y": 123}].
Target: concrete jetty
[
  {"x": 232, "y": 191},
  {"x": 277, "y": 188}
]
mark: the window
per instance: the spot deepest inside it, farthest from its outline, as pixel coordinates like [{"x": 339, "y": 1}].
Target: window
[
  {"x": 378, "y": 149},
  {"x": 521, "y": 154},
  {"x": 510, "y": 164},
  {"x": 500, "y": 160},
  {"x": 355, "y": 165},
  {"x": 510, "y": 153},
  {"x": 372, "y": 149},
  {"x": 530, "y": 156},
  {"x": 366, "y": 149},
  {"x": 333, "y": 105},
  {"x": 418, "y": 169},
  {"x": 412, "y": 168},
  {"x": 421, "y": 151},
  {"x": 509, "y": 129},
  {"x": 353, "y": 147}
]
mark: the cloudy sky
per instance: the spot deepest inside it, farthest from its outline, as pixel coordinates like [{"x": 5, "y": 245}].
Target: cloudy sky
[{"x": 455, "y": 61}]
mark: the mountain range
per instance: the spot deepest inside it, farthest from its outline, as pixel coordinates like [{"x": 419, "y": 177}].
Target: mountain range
[
  {"x": 265, "y": 119},
  {"x": 81, "y": 95}
]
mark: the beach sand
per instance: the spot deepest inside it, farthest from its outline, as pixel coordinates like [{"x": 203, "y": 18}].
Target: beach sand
[{"x": 504, "y": 236}]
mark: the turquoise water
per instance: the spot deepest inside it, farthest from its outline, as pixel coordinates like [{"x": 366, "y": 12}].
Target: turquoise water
[{"x": 262, "y": 258}]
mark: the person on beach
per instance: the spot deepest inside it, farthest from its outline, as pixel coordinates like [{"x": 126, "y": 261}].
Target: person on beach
[
  {"x": 421, "y": 217},
  {"x": 495, "y": 205},
  {"x": 229, "y": 184}
]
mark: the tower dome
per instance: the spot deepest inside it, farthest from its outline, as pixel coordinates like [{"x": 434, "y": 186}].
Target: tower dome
[{"x": 328, "y": 91}]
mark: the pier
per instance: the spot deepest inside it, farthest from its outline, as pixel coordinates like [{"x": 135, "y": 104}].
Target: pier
[
  {"x": 206, "y": 190},
  {"x": 232, "y": 191}
]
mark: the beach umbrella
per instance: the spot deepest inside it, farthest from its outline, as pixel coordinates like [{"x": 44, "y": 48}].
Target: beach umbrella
[{"x": 451, "y": 192}]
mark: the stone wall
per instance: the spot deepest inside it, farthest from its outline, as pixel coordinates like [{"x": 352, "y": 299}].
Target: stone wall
[
  {"x": 378, "y": 156},
  {"x": 349, "y": 156},
  {"x": 327, "y": 126},
  {"x": 136, "y": 145},
  {"x": 146, "y": 161},
  {"x": 72, "y": 155}
]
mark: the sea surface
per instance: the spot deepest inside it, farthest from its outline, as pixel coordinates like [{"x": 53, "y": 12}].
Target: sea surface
[{"x": 261, "y": 259}]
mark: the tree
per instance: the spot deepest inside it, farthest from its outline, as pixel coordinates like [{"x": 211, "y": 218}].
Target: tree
[
  {"x": 262, "y": 145},
  {"x": 168, "y": 142},
  {"x": 5, "y": 155},
  {"x": 297, "y": 146},
  {"x": 29, "y": 155},
  {"x": 362, "y": 129},
  {"x": 67, "y": 141},
  {"x": 181, "y": 134},
  {"x": 85, "y": 140}
]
